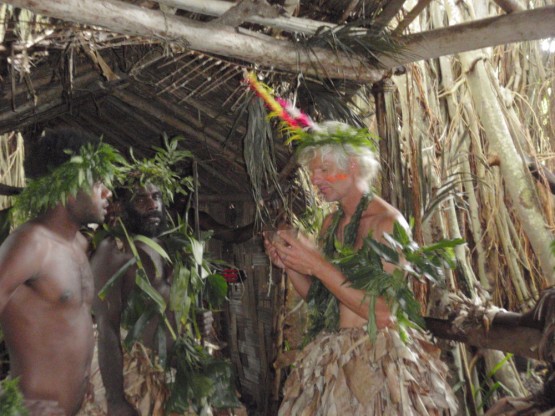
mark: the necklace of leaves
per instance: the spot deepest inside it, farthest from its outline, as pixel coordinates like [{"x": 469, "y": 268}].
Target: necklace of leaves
[
  {"x": 363, "y": 270},
  {"x": 322, "y": 305}
]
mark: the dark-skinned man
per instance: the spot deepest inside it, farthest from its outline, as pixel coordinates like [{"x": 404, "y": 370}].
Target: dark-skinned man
[
  {"x": 46, "y": 284},
  {"x": 143, "y": 214}
]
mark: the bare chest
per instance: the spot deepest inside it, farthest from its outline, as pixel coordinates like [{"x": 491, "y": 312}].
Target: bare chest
[
  {"x": 157, "y": 270},
  {"x": 64, "y": 278}
]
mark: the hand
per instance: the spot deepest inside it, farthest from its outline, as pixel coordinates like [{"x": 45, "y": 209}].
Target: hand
[
  {"x": 271, "y": 251},
  {"x": 121, "y": 408},
  {"x": 43, "y": 408},
  {"x": 299, "y": 253}
]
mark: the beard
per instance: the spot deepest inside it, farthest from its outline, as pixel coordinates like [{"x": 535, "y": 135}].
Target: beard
[{"x": 150, "y": 225}]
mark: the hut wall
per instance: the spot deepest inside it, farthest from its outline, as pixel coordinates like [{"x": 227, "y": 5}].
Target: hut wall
[{"x": 248, "y": 322}]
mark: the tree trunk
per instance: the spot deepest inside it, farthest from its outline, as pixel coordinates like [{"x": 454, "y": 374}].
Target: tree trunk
[{"x": 513, "y": 169}]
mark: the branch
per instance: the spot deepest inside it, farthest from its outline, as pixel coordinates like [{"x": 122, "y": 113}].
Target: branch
[
  {"x": 389, "y": 11},
  {"x": 530, "y": 334},
  {"x": 413, "y": 14},
  {"x": 133, "y": 20},
  {"x": 541, "y": 173},
  {"x": 505, "y": 334},
  {"x": 241, "y": 11},
  {"x": 510, "y": 6},
  {"x": 515, "y": 27},
  {"x": 219, "y": 7},
  {"x": 284, "y": 55}
]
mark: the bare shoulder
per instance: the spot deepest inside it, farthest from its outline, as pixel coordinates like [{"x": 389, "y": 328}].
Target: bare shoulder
[
  {"x": 380, "y": 217},
  {"x": 107, "y": 244},
  {"x": 110, "y": 248},
  {"x": 22, "y": 253},
  {"x": 108, "y": 258},
  {"x": 28, "y": 237}
]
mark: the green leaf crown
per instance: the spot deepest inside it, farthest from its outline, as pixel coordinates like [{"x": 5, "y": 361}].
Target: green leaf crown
[
  {"x": 333, "y": 133},
  {"x": 93, "y": 163},
  {"x": 159, "y": 170}
]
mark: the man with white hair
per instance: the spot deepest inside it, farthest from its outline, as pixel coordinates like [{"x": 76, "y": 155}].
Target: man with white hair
[{"x": 344, "y": 371}]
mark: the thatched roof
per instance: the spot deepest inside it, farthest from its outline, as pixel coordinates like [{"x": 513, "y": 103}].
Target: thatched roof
[{"x": 131, "y": 82}]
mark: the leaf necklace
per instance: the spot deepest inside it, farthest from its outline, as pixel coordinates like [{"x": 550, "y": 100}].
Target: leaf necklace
[{"x": 323, "y": 307}]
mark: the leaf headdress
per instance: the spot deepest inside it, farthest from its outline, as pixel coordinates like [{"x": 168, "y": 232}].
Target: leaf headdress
[
  {"x": 302, "y": 130},
  {"x": 81, "y": 171},
  {"x": 160, "y": 170}
]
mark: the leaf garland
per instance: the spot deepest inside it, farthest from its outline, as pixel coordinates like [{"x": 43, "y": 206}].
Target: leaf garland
[
  {"x": 160, "y": 170},
  {"x": 93, "y": 163},
  {"x": 343, "y": 135},
  {"x": 364, "y": 271}
]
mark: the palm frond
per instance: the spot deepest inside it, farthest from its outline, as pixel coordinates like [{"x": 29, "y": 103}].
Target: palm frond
[
  {"x": 358, "y": 38},
  {"x": 331, "y": 101},
  {"x": 258, "y": 152}
]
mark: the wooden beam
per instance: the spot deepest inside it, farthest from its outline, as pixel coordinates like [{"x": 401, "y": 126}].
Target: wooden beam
[
  {"x": 516, "y": 27},
  {"x": 217, "y": 8},
  {"x": 9, "y": 190},
  {"x": 505, "y": 334},
  {"x": 130, "y": 19},
  {"x": 281, "y": 54}
]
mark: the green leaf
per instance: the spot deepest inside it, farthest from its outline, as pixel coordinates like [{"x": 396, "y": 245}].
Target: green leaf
[
  {"x": 136, "y": 331},
  {"x": 141, "y": 280},
  {"x": 197, "y": 249},
  {"x": 221, "y": 374},
  {"x": 153, "y": 245},
  {"x": 115, "y": 277},
  {"x": 161, "y": 343},
  {"x": 11, "y": 398},
  {"x": 216, "y": 290},
  {"x": 499, "y": 365}
]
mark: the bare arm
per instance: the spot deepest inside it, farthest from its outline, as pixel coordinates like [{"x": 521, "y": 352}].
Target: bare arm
[
  {"x": 20, "y": 258},
  {"x": 301, "y": 255},
  {"x": 106, "y": 261}
]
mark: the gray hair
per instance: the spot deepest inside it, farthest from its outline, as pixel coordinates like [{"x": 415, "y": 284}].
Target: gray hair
[{"x": 341, "y": 153}]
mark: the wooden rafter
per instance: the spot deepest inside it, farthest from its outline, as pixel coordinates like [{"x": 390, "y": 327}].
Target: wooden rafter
[{"x": 284, "y": 55}]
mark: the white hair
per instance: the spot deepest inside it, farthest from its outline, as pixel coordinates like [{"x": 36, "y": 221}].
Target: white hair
[{"x": 341, "y": 153}]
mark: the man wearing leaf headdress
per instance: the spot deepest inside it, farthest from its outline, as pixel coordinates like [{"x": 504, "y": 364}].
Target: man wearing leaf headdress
[
  {"x": 141, "y": 274},
  {"x": 144, "y": 213},
  {"x": 358, "y": 363},
  {"x": 46, "y": 284}
]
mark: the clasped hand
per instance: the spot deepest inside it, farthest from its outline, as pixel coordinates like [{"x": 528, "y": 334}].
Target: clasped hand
[{"x": 296, "y": 253}]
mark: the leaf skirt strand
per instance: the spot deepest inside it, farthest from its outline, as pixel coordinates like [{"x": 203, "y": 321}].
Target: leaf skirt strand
[{"x": 345, "y": 374}]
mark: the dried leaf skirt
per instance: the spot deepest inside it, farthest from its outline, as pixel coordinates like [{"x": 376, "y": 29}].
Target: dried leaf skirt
[
  {"x": 343, "y": 373},
  {"x": 144, "y": 384}
]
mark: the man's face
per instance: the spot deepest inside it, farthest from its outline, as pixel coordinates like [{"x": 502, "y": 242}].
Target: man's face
[
  {"x": 331, "y": 181},
  {"x": 145, "y": 211},
  {"x": 90, "y": 207}
]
